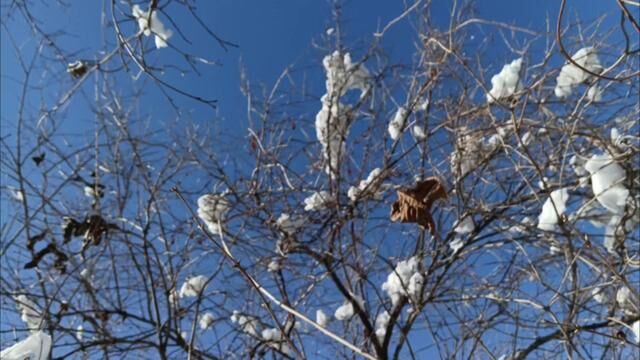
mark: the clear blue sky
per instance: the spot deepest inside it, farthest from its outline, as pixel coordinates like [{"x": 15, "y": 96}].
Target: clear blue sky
[{"x": 271, "y": 34}]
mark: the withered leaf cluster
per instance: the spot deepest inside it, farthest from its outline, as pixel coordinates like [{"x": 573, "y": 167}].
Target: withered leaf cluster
[
  {"x": 92, "y": 229},
  {"x": 51, "y": 248},
  {"x": 77, "y": 69},
  {"x": 414, "y": 205}
]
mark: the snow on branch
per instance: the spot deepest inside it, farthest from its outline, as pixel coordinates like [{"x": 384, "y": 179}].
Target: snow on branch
[
  {"x": 507, "y": 82},
  {"x": 152, "y": 25}
]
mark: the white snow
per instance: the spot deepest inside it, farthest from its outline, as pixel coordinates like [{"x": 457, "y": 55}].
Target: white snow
[
  {"x": 79, "y": 332},
  {"x": 594, "y": 94},
  {"x": 396, "y": 125},
  {"x": 521, "y": 227},
  {"x": 343, "y": 75},
  {"x": 419, "y": 133},
  {"x": 274, "y": 265},
  {"x": 465, "y": 226},
  {"x": 424, "y": 105},
  {"x": 193, "y": 286},
  {"x": 599, "y": 295},
  {"x": 577, "y": 164},
  {"x": 636, "y": 330},
  {"x": 34, "y": 347},
  {"x": 332, "y": 122},
  {"x": 317, "y": 201},
  {"x": 371, "y": 184},
  {"x": 271, "y": 334},
  {"x": 571, "y": 75},
  {"x": 206, "y": 321},
  {"x": 161, "y": 34},
  {"x": 16, "y": 194},
  {"x": 612, "y": 231},
  {"x": 173, "y": 298},
  {"x": 211, "y": 210},
  {"x": 614, "y": 134},
  {"x": 456, "y": 245},
  {"x": 275, "y": 339},
  {"x": 289, "y": 224},
  {"x": 623, "y": 297},
  {"x": 555, "y": 250},
  {"x": 89, "y": 192},
  {"x": 332, "y": 127},
  {"x": 471, "y": 149},
  {"x": 548, "y": 217},
  {"x": 506, "y": 82},
  {"x": 416, "y": 282},
  {"x": 606, "y": 179},
  {"x": 30, "y": 312},
  {"x": 321, "y": 318},
  {"x": 345, "y": 311},
  {"x": 526, "y": 138},
  {"x": 382, "y": 321},
  {"x": 248, "y": 324},
  {"x": 397, "y": 283}
]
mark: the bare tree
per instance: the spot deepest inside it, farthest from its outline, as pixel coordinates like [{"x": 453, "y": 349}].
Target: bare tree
[{"x": 479, "y": 200}]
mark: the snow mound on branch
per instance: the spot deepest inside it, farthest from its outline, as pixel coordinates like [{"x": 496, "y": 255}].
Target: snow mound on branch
[
  {"x": 274, "y": 265},
  {"x": 556, "y": 202},
  {"x": 599, "y": 295},
  {"x": 34, "y": 347},
  {"x": 506, "y": 82},
  {"x": 211, "y": 209},
  {"x": 416, "y": 282},
  {"x": 456, "y": 245},
  {"x": 274, "y": 338},
  {"x": 332, "y": 121},
  {"x": 161, "y": 34},
  {"x": 472, "y": 149},
  {"x": 332, "y": 128},
  {"x": 343, "y": 75},
  {"x": 636, "y": 330},
  {"x": 317, "y": 201},
  {"x": 396, "y": 125},
  {"x": 397, "y": 284},
  {"x": 248, "y": 324},
  {"x": 345, "y": 311},
  {"x": 371, "y": 184},
  {"x": 206, "y": 321},
  {"x": 622, "y": 296},
  {"x": 289, "y": 224},
  {"x": 193, "y": 286},
  {"x": 571, "y": 75},
  {"x": 594, "y": 94},
  {"x": 419, "y": 133},
  {"x": 16, "y": 194},
  {"x": 612, "y": 232},
  {"x": 321, "y": 318},
  {"x": 382, "y": 321},
  {"x": 606, "y": 179},
  {"x": 29, "y": 312},
  {"x": 465, "y": 226}
]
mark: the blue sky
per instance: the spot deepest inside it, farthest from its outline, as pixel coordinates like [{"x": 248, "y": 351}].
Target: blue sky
[{"x": 271, "y": 36}]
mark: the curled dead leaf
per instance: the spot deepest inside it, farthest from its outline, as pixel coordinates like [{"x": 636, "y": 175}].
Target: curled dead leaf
[{"x": 414, "y": 205}]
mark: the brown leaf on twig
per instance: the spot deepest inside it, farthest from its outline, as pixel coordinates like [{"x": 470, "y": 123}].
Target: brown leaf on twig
[
  {"x": 60, "y": 262},
  {"x": 414, "y": 205}
]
